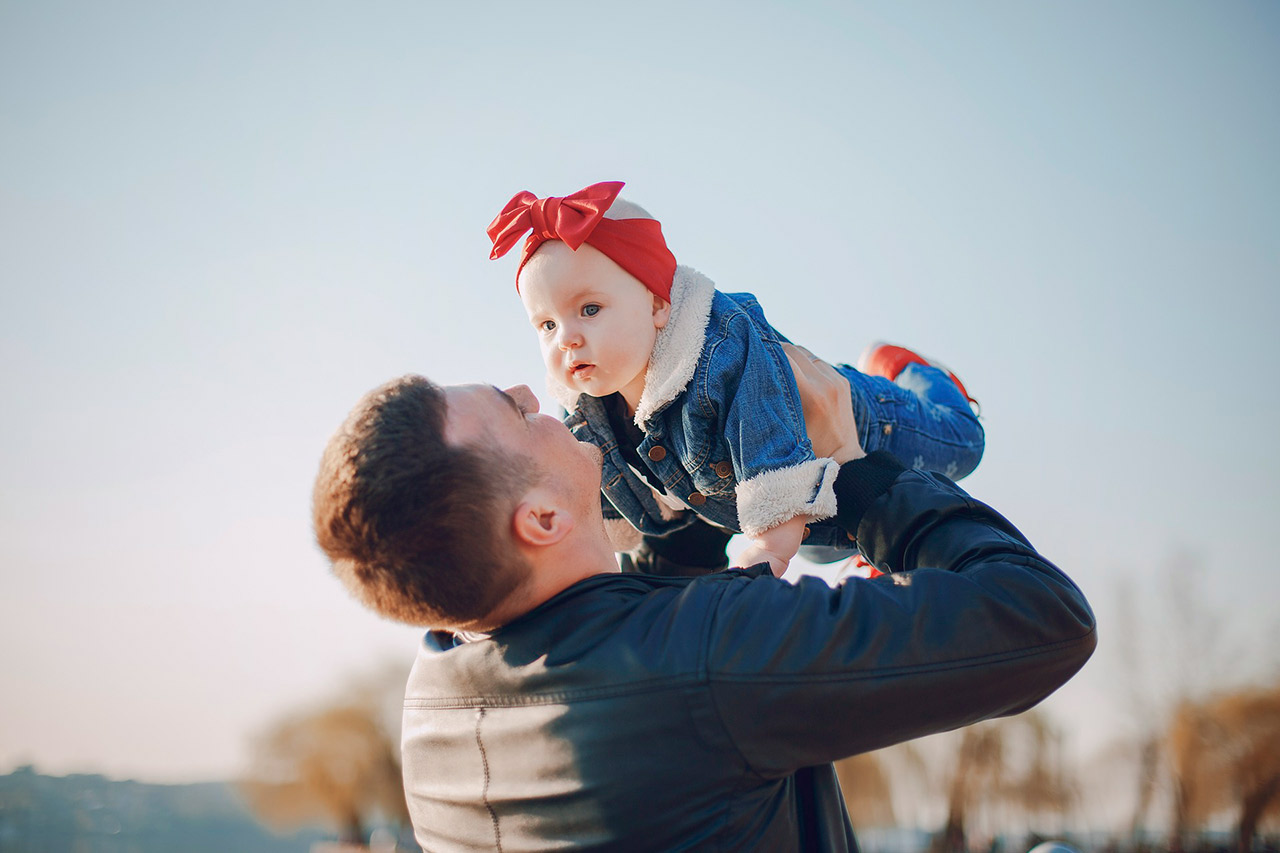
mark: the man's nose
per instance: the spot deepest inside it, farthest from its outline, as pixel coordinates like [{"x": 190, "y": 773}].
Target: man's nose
[{"x": 524, "y": 398}]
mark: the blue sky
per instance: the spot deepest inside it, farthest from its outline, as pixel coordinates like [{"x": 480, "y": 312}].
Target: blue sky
[{"x": 221, "y": 223}]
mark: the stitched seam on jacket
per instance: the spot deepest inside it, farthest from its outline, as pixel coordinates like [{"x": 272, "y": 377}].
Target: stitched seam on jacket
[
  {"x": 555, "y": 698},
  {"x": 484, "y": 792},
  {"x": 707, "y": 679},
  {"x": 704, "y": 681},
  {"x": 942, "y": 666}
]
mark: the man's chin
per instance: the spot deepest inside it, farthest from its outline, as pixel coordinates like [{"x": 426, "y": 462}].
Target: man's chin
[{"x": 596, "y": 456}]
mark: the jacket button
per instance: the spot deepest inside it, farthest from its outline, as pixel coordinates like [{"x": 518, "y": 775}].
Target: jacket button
[
  {"x": 697, "y": 499},
  {"x": 888, "y": 428},
  {"x": 657, "y": 453},
  {"x": 806, "y": 533},
  {"x": 723, "y": 470}
]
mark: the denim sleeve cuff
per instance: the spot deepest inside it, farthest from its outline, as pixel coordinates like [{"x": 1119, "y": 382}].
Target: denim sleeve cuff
[
  {"x": 772, "y": 497},
  {"x": 860, "y": 483}
]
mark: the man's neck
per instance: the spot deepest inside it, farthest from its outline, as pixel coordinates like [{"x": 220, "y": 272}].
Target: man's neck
[{"x": 552, "y": 572}]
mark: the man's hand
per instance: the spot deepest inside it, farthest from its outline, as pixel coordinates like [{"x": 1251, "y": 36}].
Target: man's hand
[{"x": 828, "y": 408}]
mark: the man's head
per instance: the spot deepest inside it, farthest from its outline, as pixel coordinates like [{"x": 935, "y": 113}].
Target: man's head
[{"x": 430, "y": 501}]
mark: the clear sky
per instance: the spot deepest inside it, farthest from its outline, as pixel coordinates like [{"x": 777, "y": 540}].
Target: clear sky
[{"x": 220, "y": 223}]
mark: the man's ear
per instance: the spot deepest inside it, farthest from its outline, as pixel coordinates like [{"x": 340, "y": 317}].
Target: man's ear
[
  {"x": 539, "y": 520},
  {"x": 661, "y": 312}
]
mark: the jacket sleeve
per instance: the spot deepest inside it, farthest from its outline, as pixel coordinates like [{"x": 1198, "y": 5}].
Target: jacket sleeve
[
  {"x": 973, "y": 623},
  {"x": 763, "y": 424}
]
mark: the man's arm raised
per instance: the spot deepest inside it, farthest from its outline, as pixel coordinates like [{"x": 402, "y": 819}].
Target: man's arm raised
[{"x": 971, "y": 623}]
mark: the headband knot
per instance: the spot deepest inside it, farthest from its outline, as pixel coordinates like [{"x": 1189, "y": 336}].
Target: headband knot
[
  {"x": 636, "y": 245},
  {"x": 543, "y": 212}
]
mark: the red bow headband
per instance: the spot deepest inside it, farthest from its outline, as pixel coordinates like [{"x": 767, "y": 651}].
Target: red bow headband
[{"x": 636, "y": 245}]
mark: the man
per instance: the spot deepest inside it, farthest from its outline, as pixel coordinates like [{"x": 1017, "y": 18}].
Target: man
[{"x": 557, "y": 702}]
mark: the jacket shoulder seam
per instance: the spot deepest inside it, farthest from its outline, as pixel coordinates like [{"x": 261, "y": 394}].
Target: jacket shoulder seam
[
  {"x": 553, "y": 697},
  {"x": 882, "y": 672}
]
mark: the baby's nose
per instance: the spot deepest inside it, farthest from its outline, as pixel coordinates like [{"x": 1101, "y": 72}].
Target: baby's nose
[{"x": 569, "y": 338}]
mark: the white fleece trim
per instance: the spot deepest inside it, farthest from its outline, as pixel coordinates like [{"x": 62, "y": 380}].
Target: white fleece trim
[
  {"x": 622, "y": 535},
  {"x": 772, "y": 497},
  {"x": 675, "y": 352},
  {"x": 679, "y": 345}
]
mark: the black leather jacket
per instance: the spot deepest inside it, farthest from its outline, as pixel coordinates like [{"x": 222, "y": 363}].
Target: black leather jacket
[{"x": 636, "y": 712}]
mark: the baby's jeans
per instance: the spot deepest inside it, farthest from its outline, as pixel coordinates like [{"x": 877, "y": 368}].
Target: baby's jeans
[{"x": 921, "y": 417}]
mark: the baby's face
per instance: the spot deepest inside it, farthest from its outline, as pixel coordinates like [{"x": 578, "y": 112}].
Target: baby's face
[{"x": 596, "y": 322}]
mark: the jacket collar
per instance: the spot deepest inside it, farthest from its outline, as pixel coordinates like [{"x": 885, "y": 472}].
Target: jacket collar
[{"x": 675, "y": 352}]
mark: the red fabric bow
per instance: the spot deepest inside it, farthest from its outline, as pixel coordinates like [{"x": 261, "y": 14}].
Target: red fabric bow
[
  {"x": 571, "y": 219},
  {"x": 636, "y": 245}
]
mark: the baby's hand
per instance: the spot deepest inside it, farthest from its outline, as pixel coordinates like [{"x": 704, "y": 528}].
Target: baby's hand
[
  {"x": 754, "y": 554},
  {"x": 775, "y": 546}
]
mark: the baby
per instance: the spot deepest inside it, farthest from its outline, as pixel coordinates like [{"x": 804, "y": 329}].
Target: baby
[{"x": 688, "y": 393}]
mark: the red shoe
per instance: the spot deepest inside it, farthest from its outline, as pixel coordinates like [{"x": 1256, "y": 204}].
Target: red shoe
[
  {"x": 858, "y": 566},
  {"x": 888, "y": 360}
]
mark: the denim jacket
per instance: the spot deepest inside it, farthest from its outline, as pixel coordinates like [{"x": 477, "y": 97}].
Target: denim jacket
[{"x": 724, "y": 432}]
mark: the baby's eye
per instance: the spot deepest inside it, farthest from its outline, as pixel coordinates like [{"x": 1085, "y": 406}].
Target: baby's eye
[
  {"x": 590, "y": 310},
  {"x": 547, "y": 325}
]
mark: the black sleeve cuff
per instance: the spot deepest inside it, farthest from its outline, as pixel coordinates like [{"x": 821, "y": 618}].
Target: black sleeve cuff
[{"x": 860, "y": 482}]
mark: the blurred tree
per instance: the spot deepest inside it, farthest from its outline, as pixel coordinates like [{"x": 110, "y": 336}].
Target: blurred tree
[
  {"x": 866, "y": 790},
  {"x": 978, "y": 769},
  {"x": 1172, "y": 648},
  {"x": 1040, "y": 784},
  {"x": 338, "y": 764},
  {"x": 1188, "y": 747},
  {"x": 1225, "y": 754},
  {"x": 1014, "y": 766}
]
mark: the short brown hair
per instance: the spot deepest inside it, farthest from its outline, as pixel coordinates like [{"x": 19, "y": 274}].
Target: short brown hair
[{"x": 415, "y": 526}]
